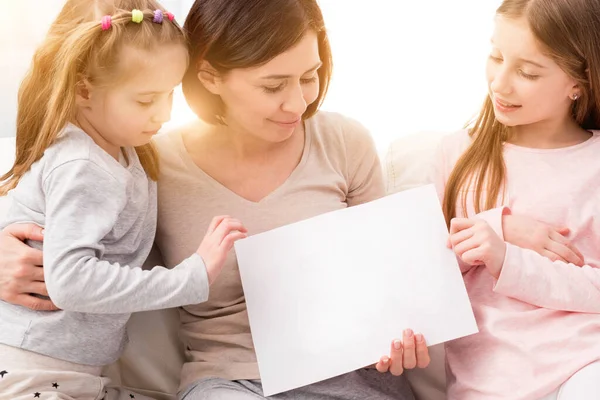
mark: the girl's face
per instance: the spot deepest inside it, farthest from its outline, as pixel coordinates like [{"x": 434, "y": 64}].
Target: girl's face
[
  {"x": 526, "y": 86},
  {"x": 133, "y": 109}
]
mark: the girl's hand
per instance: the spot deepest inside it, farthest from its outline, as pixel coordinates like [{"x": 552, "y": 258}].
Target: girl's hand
[
  {"x": 476, "y": 243},
  {"x": 222, "y": 233},
  {"x": 545, "y": 240}
]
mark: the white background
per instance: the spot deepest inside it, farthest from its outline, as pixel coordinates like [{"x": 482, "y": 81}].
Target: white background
[{"x": 400, "y": 67}]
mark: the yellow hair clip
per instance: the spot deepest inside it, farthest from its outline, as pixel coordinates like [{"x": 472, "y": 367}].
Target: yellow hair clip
[{"x": 137, "y": 16}]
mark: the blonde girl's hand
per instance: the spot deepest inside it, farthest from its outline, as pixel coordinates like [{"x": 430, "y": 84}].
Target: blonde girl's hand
[{"x": 222, "y": 233}]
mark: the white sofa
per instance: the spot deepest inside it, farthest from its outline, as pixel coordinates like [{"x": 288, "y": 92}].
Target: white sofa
[{"x": 154, "y": 356}]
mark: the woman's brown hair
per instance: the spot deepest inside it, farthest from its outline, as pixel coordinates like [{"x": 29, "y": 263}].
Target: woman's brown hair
[{"x": 248, "y": 33}]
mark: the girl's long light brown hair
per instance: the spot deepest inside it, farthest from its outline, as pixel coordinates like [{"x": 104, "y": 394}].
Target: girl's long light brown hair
[
  {"x": 568, "y": 32},
  {"x": 77, "y": 50}
]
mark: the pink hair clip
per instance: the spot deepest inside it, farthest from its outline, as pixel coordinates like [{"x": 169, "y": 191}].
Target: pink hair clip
[
  {"x": 106, "y": 22},
  {"x": 170, "y": 16},
  {"x": 158, "y": 17}
]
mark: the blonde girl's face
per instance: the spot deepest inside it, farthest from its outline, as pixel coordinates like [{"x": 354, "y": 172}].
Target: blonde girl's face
[{"x": 129, "y": 111}]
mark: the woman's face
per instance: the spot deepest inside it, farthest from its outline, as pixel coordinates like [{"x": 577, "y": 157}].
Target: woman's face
[{"x": 268, "y": 101}]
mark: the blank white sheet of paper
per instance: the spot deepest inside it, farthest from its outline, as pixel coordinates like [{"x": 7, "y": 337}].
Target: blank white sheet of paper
[{"x": 327, "y": 295}]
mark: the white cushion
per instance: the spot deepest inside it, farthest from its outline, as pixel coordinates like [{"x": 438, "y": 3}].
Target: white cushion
[
  {"x": 409, "y": 160},
  {"x": 153, "y": 358}
]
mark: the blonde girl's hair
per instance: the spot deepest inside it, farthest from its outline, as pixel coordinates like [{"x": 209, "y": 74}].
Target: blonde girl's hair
[{"x": 77, "y": 49}]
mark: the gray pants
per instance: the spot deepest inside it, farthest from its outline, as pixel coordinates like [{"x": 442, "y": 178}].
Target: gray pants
[{"x": 364, "y": 384}]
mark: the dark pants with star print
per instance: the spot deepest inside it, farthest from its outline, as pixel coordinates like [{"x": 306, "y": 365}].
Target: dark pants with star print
[{"x": 25, "y": 376}]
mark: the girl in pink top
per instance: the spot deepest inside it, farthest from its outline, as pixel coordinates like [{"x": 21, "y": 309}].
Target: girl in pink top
[{"x": 532, "y": 151}]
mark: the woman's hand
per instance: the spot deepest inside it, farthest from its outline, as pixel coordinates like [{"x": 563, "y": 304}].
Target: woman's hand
[
  {"x": 21, "y": 272},
  {"x": 408, "y": 353},
  {"x": 546, "y": 240}
]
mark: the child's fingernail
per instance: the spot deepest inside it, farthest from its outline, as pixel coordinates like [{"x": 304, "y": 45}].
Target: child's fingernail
[
  {"x": 408, "y": 333},
  {"x": 397, "y": 344},
  {"x": 419, "y": 337},
  {"x": 385, "y": 360}
]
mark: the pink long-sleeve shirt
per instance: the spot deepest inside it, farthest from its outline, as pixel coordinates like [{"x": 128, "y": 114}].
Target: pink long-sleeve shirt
[{"x": 539, "y": 321}]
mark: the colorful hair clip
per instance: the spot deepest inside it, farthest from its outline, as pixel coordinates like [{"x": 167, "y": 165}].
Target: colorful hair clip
[
  {"x": 170, "y": 16},
  {"x": 106, "y": 22},
  {"x": 158, "y": 17},
  {"x": 137, "y": 16}
]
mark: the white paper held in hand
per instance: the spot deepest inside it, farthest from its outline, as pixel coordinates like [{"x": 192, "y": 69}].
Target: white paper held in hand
[{"x": 327, "y": 295}]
